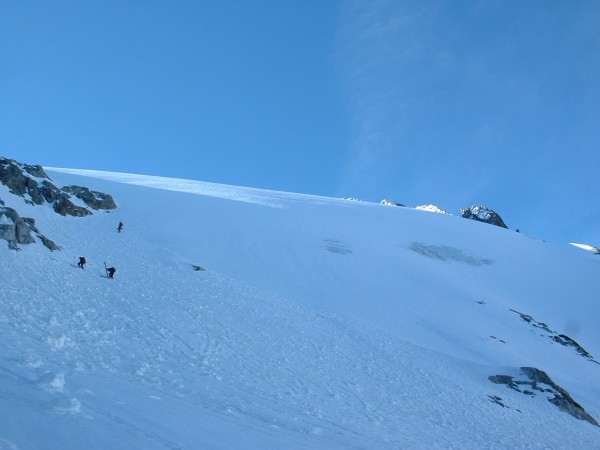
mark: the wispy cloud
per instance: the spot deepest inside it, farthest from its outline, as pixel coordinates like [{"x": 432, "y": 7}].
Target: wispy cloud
[
  {"x": 473, "y": 101},
  {"x": 380, "y": 45}
]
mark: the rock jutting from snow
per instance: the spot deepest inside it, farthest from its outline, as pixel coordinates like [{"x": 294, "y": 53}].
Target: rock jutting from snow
[
  {"x": 31, "y": 183},
  {"x": 17, "y": 230},
  {"x": 93, "y": 199},
  {"x": 35, "y": 171},
  {"x": 65, "y": 207},
  {"x": 566, "y": 341},
  {"x": 49, "y": 244},
  {"x": 36, "y": 188},
  {"x": 537, "y": 382},
  {"x": 390, "y": 203},
  {"x": 562, "y": 400},
  {"x": 561, "y": 339},
  {"x": 17, "y": 179},
  {"x": 14, "y": 229},
  {"x": 483, "y": 214}
]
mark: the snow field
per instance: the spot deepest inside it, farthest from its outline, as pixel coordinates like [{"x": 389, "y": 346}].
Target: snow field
[{"x": 315, "y": 326}]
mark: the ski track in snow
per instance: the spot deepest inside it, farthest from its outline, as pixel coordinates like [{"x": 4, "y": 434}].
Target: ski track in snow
[{"x": 166, "y": 357}]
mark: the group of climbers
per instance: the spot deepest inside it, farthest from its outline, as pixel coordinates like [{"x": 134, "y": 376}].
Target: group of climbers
[{"x": 110, "y": 271}]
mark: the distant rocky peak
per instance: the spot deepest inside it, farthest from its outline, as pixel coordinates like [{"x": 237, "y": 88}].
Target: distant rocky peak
[{"x": 483, "y": 214}]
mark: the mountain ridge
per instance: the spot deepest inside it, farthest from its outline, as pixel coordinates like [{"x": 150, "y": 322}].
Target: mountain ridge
[{"x": 317, "y": 323}]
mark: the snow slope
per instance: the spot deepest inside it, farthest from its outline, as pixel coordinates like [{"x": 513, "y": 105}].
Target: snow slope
[{"x": 318, "y": 323}]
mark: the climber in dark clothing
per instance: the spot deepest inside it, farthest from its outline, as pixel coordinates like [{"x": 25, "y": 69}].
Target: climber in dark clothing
[
  {"x": 111, "y": 272},
  {"x": 81, "y": 262},
  {"x": 120, "y": 227}
]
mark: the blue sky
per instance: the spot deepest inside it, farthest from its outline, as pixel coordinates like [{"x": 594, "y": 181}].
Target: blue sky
[{"x": 452, "y": 103}]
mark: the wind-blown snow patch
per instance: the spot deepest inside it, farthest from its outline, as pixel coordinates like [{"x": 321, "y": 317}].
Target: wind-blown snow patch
[
  {"x": 589, "y": 248},
  {"x": 241, "y": 194}
]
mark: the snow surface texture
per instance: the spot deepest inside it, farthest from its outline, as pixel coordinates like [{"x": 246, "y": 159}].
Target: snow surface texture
[{"x": 318, "y": 323}]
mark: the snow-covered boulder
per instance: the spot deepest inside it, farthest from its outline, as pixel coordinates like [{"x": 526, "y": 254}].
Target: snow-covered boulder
[
  {"x": 390, "y": 203},
  {"x": 483, "y": 214},
  {"x": 432, "y": 208}
]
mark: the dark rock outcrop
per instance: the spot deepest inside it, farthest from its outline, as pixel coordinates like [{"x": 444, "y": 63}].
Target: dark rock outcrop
[
  {"x": 531, "y": 381},
  {"x": 65, "y": 207},
  {"x": 14, "y": 229},
  {"x": 35, "y": 171},
  {"x": 483, "y": 214},
  {"x": 17, "y": 230},
  {"x": 49, "y": 191},
  {"x": 34, "y": 185},
  {"x": 15, "y": 177},
  {"x": 565, "y": 340},
  {"x": 49, "y": 244},
  {"x": 93, "y": 199},
  {"x": 561, "y": 339},
  {"x": 562, "y": 400}
]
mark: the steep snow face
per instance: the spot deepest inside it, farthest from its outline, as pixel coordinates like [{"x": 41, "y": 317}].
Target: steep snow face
[{"x": 318, "y": 323}]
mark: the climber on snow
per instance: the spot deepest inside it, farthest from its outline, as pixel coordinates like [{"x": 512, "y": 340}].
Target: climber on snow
[
  {"x": 120, "y": 227},
  {"x": 81, "y": 262},
  {"x": 111, "y": 272}
]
